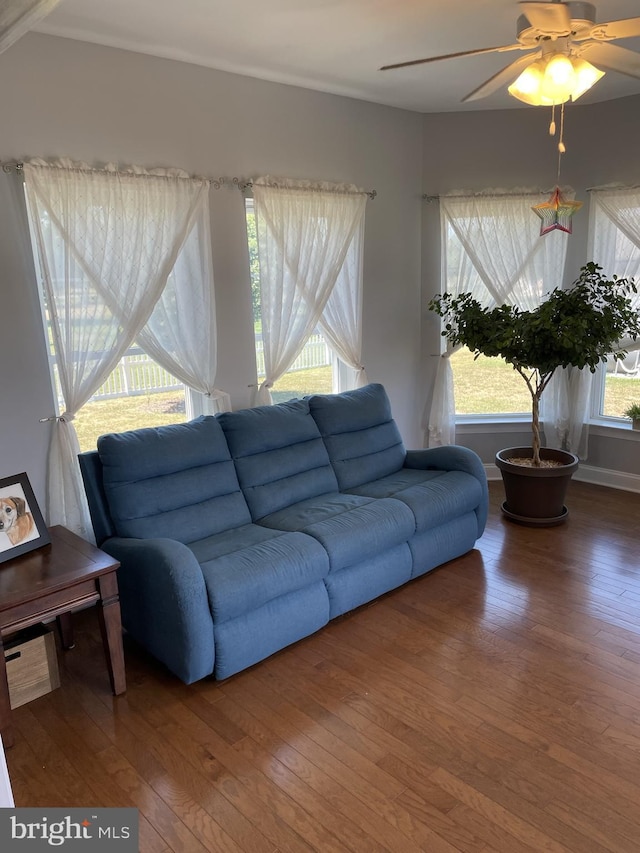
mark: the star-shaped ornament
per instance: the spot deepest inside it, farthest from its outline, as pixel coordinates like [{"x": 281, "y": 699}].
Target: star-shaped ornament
[{"x": 556, "y": 213}]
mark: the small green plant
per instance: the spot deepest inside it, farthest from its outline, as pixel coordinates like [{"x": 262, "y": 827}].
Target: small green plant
[
  {"x": 577, "y": 327},
  {"x": 633, "y": 411}
]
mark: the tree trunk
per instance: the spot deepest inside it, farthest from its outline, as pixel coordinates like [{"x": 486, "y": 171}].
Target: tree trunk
[{"x": 535, "y": 427}]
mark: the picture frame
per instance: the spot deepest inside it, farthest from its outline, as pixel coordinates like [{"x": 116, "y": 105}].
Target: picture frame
[{"x": 22, "y": 528}]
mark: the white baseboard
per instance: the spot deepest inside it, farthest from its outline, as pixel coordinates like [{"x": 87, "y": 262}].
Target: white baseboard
[
  {"x": 589, "y": 474},
  {"x": 607, "y": 477},
  {"x": 492, "y": 471}
]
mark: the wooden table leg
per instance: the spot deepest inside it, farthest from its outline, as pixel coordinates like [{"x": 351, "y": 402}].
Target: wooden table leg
[
  {"x": 66, "y": 631},
  {"x": 6, "y": 728},
  {"x": 111, "y": 630}
]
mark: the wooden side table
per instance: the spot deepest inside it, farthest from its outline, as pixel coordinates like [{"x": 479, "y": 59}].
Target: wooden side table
[{"x": 68, "y": 574}]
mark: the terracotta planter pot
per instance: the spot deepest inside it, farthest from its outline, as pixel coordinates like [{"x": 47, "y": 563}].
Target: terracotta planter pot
[{"x": 535, "y": 496}]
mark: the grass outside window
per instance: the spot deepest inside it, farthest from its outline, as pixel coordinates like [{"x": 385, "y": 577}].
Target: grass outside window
[
  {"x": 124, "y": 413},
  {"x": 148, "y": 410},
  {"x": 486, "y": 386}
]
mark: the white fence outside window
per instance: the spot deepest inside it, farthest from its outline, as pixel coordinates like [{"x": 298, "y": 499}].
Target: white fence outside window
[
  {"x": 137, "y": 374},
  {"x": 316, "y": 353}
]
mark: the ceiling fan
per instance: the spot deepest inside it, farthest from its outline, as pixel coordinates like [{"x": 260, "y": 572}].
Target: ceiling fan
[{"x": 555, "y": 34}]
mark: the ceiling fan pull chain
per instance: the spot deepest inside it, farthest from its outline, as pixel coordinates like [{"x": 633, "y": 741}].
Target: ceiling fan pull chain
[
  {"x": 561, "y": 146},
  {"x": 552, "y": 126}
]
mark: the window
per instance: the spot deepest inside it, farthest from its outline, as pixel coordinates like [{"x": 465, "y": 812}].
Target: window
[
  {"x": 313, "y": 370},
  {"x": 484, "y": 386},
  {"x": 305, "y": 245},
  {"x": 619, "y": 386},
  {"x": 125, "y": 261},
  {"x": 615, "y": 235},
  {"x": 138, "y": 393},
  {"x": 491, "y": 247}
]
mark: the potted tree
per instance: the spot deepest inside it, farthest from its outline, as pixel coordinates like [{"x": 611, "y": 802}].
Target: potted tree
[{"x": 577, "y": 327}]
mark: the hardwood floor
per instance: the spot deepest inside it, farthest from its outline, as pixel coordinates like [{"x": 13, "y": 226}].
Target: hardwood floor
[{"x": 493, "y": 705}]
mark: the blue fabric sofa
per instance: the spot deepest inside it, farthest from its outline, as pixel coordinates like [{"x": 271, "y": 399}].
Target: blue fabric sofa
[{"x": 243, "y": 532}]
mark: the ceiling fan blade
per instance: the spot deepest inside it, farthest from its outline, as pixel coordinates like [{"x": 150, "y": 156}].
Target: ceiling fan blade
[
  {"x": 628, "y": 28},
  {"x": 506, "y": 75},
  {"x": 612, "y": 58},
  {"x": 548, "y": 17},
  {"x": 501, "y": 49}
]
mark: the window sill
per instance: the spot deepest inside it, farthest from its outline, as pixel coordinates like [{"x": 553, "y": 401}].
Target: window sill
[
  {"x": 474, "y": 424},
  {"x": 478, "y": 424},
  {"x": 607, "y": 429}
]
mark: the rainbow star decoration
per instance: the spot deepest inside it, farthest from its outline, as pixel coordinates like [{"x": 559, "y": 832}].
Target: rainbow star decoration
[{"x": 556, "y": 213}]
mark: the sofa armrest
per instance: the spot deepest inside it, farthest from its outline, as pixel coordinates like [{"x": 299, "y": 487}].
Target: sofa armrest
[
  {"x": 164, "y": 603},
  {"x": 453, "y": 457}
]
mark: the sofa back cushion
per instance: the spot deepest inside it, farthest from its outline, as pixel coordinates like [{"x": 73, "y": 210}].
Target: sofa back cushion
[
  {"x": 360, "y": 434},
  {"x": 279, "y": 455},
  {"x": 176, "y": 481}
]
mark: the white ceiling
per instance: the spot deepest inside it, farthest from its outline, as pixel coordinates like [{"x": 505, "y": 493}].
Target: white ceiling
[{"x": 333, "y": 46}]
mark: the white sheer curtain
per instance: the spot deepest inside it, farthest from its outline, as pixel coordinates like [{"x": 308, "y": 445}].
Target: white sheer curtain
[
  {"x": 564, "y": 410},
  {"x": 614, "y": 243},
  {"x": 341, "y": 320},
  {"x": 304, "y": 234},
  {"x": 106, "y": 241},
  {"x": 491, "y": 247},
  {"x": 615, "y": 237},
  {"x": 18, "y": 16},
  {"x": 181, "y": 334}
]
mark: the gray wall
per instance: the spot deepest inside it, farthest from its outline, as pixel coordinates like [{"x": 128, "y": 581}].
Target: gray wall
[
  {"x": 512, "y": 148},
  {"x": 25, "y": 385},
  {"x": 63, "y": 98}
]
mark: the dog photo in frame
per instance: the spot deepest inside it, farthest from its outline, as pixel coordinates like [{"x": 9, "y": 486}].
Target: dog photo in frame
[{"x": 22, "y": 527}]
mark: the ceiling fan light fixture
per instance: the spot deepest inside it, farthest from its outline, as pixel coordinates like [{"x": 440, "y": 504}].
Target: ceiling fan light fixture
[
  {"x": 558, "y": 79},
  {"x": 528, "y": 87},
  {"x": 586, "y": 75},
  {"x": 555, "y": 80}
]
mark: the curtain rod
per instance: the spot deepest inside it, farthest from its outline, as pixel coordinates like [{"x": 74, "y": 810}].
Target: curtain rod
[
  {"x": 431, "y": 198},
  {"x": 613, "y": 187},
  {"x": 216, "y": 183},
  {"x": 9, "y": 167},
  {"x": 243, "y": 186}
]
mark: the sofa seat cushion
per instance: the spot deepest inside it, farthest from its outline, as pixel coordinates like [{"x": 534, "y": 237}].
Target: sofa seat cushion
[
  {"x": 245, "y": 568},
  {"x": 350, "y": 528},
  {"x": 435, "y": 497}
]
